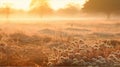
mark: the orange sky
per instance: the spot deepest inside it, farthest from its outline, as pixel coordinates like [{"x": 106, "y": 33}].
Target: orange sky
[{"x": 25, "y": 4}]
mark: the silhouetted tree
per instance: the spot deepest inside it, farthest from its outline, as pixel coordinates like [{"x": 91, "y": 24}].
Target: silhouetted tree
[
  {"x": 41, "y": 7},
  {"x": 105, "y": 6},
  {"x": 5, "y": 11},
  {"x": 69, "y": 10}
]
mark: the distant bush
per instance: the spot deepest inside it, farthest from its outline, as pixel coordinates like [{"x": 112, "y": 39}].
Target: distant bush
[
  {"x": 23, "y": 39},
  {"x": 102, "y": 35}
]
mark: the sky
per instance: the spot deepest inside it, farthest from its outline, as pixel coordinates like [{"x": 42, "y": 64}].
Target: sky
[
  {"x": 16, "y": 4},
  {"x": 56, "y": 4},
  {"x": 25, "y": 4}
]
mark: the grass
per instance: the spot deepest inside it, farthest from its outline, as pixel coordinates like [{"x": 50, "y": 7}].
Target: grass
[{"x": 57, "y": 47}]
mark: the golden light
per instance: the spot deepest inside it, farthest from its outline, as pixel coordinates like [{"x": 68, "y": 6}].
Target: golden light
[
  {"x": 57, "y": 4},
  {"x": 25, "y": 4},
  {"x": 16, "y": 4}
]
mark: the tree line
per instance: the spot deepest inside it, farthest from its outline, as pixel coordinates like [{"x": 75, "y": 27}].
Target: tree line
[{"x": 42, "y": 8}]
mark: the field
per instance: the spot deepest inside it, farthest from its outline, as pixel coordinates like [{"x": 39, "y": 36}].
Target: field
[{"x": 77, "y": 43}]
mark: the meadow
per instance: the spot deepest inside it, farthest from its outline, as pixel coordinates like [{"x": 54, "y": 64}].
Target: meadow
[{"x": 77, "y": 43}]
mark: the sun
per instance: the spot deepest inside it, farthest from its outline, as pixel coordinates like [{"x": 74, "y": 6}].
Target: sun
[
  {"x": 57, "y": 4},
  {"x": 16, "y": 4}
]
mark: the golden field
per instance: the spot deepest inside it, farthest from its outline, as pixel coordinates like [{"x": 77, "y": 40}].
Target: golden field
[{"x": 82, "y": 43}]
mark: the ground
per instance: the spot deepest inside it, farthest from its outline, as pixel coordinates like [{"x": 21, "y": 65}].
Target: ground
[{"x": 85, "y": 43}]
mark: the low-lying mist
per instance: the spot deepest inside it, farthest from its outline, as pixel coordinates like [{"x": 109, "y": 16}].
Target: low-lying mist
[{"x": 38, "y": 18}]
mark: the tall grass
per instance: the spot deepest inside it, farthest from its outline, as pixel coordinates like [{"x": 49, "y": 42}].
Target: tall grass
[{"x": 19, "y": 49}]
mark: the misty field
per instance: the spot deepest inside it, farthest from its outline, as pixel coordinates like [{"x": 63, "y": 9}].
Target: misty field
[{"x": 77, "y": 43}]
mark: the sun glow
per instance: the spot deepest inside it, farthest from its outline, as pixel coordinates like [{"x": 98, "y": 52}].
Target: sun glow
[
  {"x": 57, "y": 4},
  {"x": 25, "y": 4},
  {"x": 16, "y": 4}
]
